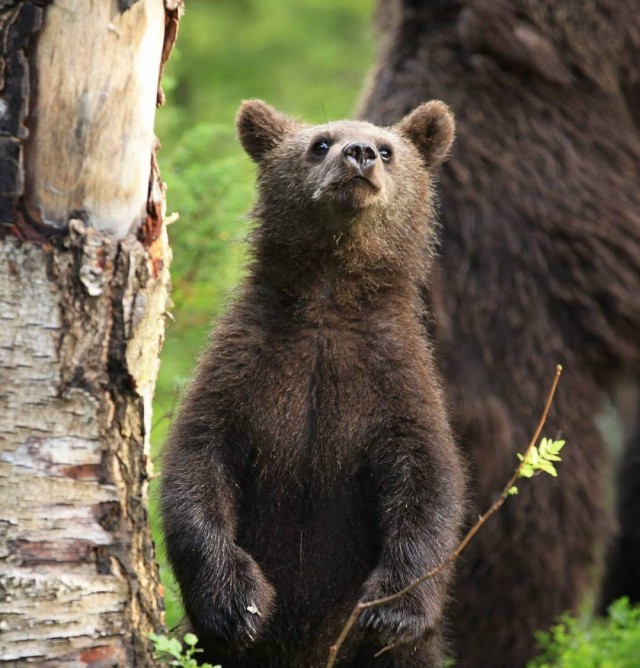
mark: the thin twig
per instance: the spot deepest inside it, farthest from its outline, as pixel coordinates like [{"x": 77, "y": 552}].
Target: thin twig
[
  {"x": 386, "y": 648},
  {"x": 495, "y": 506}
]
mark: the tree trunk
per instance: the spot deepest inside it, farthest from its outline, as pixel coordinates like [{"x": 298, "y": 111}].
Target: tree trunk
[{"x": 83, "y": 292}]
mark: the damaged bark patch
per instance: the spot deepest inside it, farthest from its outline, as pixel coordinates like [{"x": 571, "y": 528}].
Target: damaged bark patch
[
  {"x": 104, "y": 654},
  {"x": 18, "y": 23},
  {"x": 96, "y": 110},
  {"x": 55, "y": 552},
  {"x": 108, "y": 515}
]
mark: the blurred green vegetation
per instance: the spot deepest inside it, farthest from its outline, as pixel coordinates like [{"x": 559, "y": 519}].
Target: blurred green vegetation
[
  {"x": 611, "y": 642},
  {"x": 306, "y": 58}
]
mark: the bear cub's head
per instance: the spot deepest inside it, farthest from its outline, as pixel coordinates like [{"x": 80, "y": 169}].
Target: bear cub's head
[{"x": 319, "y": 182}]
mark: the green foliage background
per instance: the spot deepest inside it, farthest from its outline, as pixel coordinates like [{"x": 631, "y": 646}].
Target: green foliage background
[
  {"x": 309, "y": 59},
  {"x": 613, "y": 642}
]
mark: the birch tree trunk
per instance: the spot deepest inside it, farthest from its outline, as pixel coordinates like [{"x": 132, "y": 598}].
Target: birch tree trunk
[{"x": 83, "y": 292}]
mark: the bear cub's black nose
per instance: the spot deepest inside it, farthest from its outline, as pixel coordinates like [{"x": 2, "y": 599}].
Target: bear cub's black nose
[{"x": 360, "y": 154}]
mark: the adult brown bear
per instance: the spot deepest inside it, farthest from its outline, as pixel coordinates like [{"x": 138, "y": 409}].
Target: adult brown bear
[
  {"x": 312, "y": 463},
  {"x": 540, "y": 264}
]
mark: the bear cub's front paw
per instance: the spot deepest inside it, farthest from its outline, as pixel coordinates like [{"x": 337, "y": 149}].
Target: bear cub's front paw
[
  {"x": 406, "y": 619},
  {"x": 242, "y": 602}
]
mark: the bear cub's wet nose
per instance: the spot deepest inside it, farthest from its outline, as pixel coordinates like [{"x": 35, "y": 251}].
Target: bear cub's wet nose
[{"x": 360, "y": 154}]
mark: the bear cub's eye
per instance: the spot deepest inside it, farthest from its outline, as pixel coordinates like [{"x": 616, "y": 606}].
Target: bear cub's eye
[
  {"x": 320, "y": 147},
  {"x": 385, "y": 153}
]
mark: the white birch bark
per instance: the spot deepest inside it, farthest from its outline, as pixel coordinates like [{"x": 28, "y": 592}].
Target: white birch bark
[{"x": 83, "y": 293}]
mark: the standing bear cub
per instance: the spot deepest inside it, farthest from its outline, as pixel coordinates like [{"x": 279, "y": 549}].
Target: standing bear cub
[{"x": 312, "y": 464}]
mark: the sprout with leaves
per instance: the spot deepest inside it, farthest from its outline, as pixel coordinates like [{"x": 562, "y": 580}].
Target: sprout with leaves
[{"x": 170, "y": 651}]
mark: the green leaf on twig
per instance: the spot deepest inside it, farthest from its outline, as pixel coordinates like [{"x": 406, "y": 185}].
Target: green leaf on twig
[{"x": 540, "y": 459}]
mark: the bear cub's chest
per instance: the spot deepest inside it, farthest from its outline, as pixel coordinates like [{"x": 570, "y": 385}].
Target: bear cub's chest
[{"x": 314, "y": 394}]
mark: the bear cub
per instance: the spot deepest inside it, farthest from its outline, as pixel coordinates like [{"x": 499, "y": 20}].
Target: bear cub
[{"x": 312, "y": 463}]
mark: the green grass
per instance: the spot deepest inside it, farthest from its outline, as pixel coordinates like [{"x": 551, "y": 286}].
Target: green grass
[{"x": 306, "y": 58}]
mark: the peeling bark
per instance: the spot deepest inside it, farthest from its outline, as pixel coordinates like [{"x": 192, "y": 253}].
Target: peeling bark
[
  {"x": 83, "y": 292},
  {"x": 110, "y": 105}
]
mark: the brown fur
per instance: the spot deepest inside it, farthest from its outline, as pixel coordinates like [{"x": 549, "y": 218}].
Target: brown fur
[
  {"x": 540, "y": 264},
  {"x": 312, "y": 462}
]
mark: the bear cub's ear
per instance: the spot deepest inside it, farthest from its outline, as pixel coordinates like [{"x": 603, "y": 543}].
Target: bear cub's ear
[
  {"x": 260, "y": 128},
  {"x": 431, "y": 128}
]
